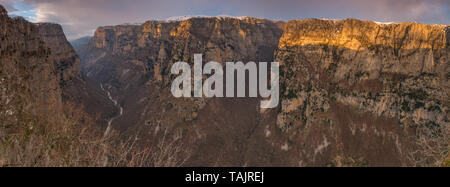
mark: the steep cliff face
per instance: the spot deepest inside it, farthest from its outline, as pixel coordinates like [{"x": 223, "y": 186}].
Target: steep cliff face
[
  {"x": 365, "y": 87},
  {"x": 67, "y": 62},
  {"x": 40, "y": 71},
  {"x": 353, "y": 92},
  {"x": 41, "y": 92},
  {"x": 28, "y": 72},
  {"x": 75, "y": 88}
]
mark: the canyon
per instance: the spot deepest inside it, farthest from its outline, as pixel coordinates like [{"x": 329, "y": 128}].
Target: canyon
[{"x": 352, "y": 92}]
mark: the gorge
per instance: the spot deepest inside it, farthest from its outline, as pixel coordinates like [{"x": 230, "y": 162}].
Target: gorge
[{"x": 352, "y": 92}]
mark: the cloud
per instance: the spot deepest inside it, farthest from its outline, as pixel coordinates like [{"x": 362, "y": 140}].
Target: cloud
[
  {"x": 8, "y": 4},
  {"x": 82, "y": 17},
  {"x": 426, "y": 11}
]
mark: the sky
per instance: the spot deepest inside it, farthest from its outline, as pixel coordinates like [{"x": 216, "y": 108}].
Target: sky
[{"x": 81, "y": 17}]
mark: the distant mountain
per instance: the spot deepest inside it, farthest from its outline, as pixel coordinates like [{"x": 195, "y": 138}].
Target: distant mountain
[{"x": 80, "y": 42}]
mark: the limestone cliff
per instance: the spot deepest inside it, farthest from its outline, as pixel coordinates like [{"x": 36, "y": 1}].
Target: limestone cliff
[
  {"x": 28, "y": 72},
  {"x": 40, "y": 73},
  {"x": 75, "y": 87},
  {"x": 67, "y": 61},
  {"x": 369, "y": 84},
  {"x": 42, "y": 92}
]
